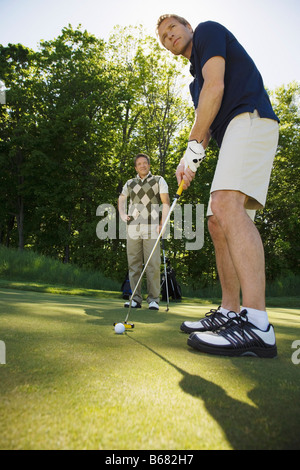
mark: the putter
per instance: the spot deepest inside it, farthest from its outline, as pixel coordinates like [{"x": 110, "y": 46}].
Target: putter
[
  {"x": 166, "y": 276},
  {"x": 177, "y": 196},
  {"x": 128, "y": 326}
]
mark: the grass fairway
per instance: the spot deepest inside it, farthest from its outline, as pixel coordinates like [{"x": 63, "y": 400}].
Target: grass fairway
[{"x": 70, "y": 382}]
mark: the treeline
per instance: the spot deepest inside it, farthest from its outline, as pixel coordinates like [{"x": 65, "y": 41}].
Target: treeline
[{"x": 77, "y": 111}]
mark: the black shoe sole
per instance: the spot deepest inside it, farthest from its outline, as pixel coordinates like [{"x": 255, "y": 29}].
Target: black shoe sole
[{"x": 268, "y": 353}]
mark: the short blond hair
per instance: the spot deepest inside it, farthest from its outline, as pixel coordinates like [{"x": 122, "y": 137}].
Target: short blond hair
[{"x": 180, "y": 19}]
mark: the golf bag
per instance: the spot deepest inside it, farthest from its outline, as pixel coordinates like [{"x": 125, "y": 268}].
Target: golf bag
[
  {"x": 126, "y": 289},
  {"x": 174, "y": 289}
]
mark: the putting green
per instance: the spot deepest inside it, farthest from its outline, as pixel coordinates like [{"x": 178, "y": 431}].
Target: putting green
[{"x": 70, "y": 382}]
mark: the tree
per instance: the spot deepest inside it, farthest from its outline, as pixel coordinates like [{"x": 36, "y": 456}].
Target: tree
[
  {"x": 18, "y": 127},
  {"x": 78, "y": 111},
  {"x": 151, "y": 110},
  {"x": 279, "y": 221},
  {"x": 74, "y": 131},
  {"x": 149, "y": 114}
]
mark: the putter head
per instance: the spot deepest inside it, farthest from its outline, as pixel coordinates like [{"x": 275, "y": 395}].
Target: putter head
[{"x": 128, "y": 326}]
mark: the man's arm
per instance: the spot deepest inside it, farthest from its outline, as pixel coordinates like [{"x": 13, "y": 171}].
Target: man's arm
[
  {"x": 122, "y": 208},
  {"x": 210, "y": 99},
  {"x": 165, "y": 199},
  {"x": 209, "y": 104}
]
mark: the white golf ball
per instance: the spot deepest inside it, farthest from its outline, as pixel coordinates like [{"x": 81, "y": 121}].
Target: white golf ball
[{"x": 119, "y": 328}]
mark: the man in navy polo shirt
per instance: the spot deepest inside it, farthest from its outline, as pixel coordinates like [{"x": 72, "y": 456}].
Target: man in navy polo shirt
[{"x": 232, "y": 106}]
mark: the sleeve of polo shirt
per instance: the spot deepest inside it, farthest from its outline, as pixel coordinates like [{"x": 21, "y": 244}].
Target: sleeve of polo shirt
[
  {"x": 163, "y": 186},
  {"x": 125, "y": 190},
  {"x": 211, "y": 41}
]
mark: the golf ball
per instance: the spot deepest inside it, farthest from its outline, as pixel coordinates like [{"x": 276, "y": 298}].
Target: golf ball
[{"x": 119, "y": 328}]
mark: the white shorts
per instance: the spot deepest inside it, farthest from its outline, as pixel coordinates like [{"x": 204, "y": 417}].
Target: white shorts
[{"x": 246, "y": 159}]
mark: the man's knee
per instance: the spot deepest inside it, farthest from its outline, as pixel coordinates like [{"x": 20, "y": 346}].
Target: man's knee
[
  {"x": 227, "y": 204},
  {"x": 215, "y": 229},
  {"x": 213, "y": 225}
]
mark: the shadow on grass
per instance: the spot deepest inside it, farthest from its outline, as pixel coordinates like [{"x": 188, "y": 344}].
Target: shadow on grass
[
  {"x": 272, "y": 422},
  {"x": 110, "y": 313}
]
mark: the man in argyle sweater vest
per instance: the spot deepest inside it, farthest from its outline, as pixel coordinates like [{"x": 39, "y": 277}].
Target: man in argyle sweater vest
[{"x": 146, "y": 193}]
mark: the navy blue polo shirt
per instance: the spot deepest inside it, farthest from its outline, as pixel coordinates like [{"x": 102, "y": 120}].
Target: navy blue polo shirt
[{"x": 244, "y": 89}]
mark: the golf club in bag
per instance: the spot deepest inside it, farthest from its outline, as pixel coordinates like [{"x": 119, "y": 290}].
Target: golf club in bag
[
  {"x": 166, "y": 281},
  {"x": 174, "y": 289},
  {"x": 177, "y": 196}
]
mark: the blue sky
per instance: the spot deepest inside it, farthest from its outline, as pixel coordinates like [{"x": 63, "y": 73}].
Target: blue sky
[{"x": 268, "y": 29}]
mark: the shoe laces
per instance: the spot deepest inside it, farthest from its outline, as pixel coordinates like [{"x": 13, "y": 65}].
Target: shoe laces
[
  {"x": 212, "y": 314},
  {"x": 237, "y": 320}
]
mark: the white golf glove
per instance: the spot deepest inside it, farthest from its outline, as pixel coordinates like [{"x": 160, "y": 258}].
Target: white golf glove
[{"x": 194, "y": 155}]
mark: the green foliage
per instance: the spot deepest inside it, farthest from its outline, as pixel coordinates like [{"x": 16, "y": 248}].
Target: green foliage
[
  {"x": 77, "y": 112},
  {"x": 279, "y": 221}
]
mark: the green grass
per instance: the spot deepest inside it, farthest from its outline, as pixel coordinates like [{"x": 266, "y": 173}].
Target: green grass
[
  {"x": 57, "y": 289},
  {"x": 71, "y": 383},
  {"x": 30, "y": 267},
  {"x": 28, "y": 270}
]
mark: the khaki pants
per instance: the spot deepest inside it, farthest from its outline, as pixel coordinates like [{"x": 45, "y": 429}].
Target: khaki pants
[{"x": 140, "y": 242}]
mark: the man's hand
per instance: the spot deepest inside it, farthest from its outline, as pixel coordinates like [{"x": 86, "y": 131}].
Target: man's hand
[
  {"x": 125, "y": 217},
  {"x": 190, "y": 162},
  {"x": 194, "y": 155}
]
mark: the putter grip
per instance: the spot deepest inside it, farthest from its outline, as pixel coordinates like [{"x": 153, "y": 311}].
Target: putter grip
[{"x": 180, "y": 189}]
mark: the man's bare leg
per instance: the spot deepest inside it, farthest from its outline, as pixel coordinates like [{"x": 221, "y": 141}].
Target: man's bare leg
[
  {"x": 228, "y": 277},
  {"x": 244, "y": 245}
]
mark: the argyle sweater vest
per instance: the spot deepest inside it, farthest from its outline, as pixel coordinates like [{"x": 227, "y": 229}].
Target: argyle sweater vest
[{"x": 144, "y": 199}]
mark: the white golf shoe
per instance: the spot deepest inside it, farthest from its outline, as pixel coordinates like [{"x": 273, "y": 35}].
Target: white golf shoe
[
  {"x": 153, "y": 305},
  {"x": 134, "y": 304}
]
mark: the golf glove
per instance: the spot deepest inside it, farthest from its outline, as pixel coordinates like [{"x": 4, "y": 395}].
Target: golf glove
[{"x": 194, "y": 155}]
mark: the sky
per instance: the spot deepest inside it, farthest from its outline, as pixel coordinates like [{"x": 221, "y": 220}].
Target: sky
[{"x": 268, "y": 29}]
